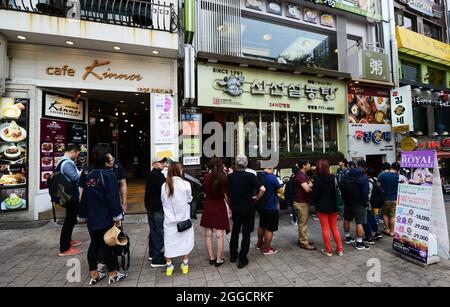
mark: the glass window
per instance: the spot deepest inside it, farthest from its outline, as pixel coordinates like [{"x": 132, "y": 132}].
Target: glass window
[
  {"x": 410, "y": 22},
  {"x": 294, "y": 132},
  {"x": 436, "y": 77},
  {"x": 251, "y": 123},
  {"x": 410, "y": 71},
  {"x": 305, "y": 120},
  {"x": 266, "y": 130},
  {"x": 286, "y": 45},
  {"x": 318, "y": 133},
  {"x": 281, "y": 119},
  {"x": 330, "y": 126},
  {"x": 420, "y": 120},
  {"x": 441, "y": 117},
  {"x": 432, "y": 30}
]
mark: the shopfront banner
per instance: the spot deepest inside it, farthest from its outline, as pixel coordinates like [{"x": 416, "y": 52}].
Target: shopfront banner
[
  {"x": 67, "y": 108},
  {"x": 421, "y": 227},
  {"x": 163, "y": 119},
  {"x": 375, "y": 65},
  {"x": 221, "y": 86},
  {"x": 402, "y": 110},
  {"x": 368, "y": 105},
  {"x": 371, "y": 139}
]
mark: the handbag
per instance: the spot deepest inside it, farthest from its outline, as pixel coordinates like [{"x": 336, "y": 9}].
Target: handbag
[{"x": 339, "y": 200}]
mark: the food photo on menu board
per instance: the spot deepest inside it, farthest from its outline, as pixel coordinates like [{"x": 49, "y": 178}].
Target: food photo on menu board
[
  {"x": 293, "y": 10},
  {"x": 368, "y": 107},
  {"x": 274, "y": 7},
  {"x": 253, "y": 4},
  {"x": 13, "y": 153}
]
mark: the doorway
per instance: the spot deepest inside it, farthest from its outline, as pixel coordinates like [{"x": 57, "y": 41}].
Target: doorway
[{"x": 375, "y": 161}]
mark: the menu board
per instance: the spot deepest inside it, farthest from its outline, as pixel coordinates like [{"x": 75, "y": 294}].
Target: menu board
[
  {"x": 56, "y": 135},
  {"x": 368, "y": 106},
  {"x": 13, "y": 154}
]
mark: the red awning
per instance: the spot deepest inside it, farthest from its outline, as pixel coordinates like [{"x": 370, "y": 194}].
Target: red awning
[{"x": 443, "y": 154}]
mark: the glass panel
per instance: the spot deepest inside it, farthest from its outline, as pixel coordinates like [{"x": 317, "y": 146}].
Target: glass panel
[
  {"x": 420, "y": 125},
  {"x": 294, "y": 132},
  {"x": 281, "y": 119},
  {"x": 441, "y": 117},
  {"x": 318, "y": 134},
  {"x": 436, "y": 77},
  {"x": 410, "y": 71},
  {"x": 267, "y": 119},
  {"x": 330, "y": 127},
  {"x": 286, "y": 45},
  {"x": 432, "y": 31},
  {"x": 251, "y": 123},
  {"x": 306, "y": 132}
]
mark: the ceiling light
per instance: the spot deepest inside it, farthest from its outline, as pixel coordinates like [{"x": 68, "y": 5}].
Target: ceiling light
[
  {"x": 267, "y": 37},
  {"x": 131, "y": 125},
  {"x": 136, "y": 94},
  {"x": 126, "y": 120},
  {"x": 117, "y": 113},
  {"x": 21, "y": 37},
  {"x": 155, "y": 52},
  {"x": 102, "y": 120},
  {"x": 356, "y": 82},
  {"x": 70, "y": 43},
  {"x": 121, "y": 101},
  {"x": 124, "y": 131},
  {"x": 140, "y": 131},
  {"x": 116, "y": 48},
  {"x": 123, "y": 113},
  {"x": 83, "y": 92},
  {"x": 142, "y": 102}
]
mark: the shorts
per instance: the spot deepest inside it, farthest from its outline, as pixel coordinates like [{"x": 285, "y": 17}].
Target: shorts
[
  {"x": 359, "y": 214},
  {"x": 269, "y": 220},
  {"x": 389, "y": 208}
]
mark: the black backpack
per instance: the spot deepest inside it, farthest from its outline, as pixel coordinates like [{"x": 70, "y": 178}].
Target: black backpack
[
  {"x": 62, "y": 191},
  {"x": 378, "y": 197},
  {"x": 289, "y": 191},
  {"x": 351, "y": 192},
  {"x": 260, "y": 204}
]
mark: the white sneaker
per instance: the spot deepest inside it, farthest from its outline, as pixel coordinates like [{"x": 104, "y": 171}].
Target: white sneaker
[{"x": 118, "y": 278}]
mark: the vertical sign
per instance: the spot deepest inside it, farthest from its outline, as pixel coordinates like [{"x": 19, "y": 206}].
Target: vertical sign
[
  {"x": 375, "y": 65},
  {"x": 3, "y": 52},
  {"x": 421, "y": 227},
  {"x": 402, "y": 112},
  {"x": 163, "y": 125},
  {"x": 191, "y": 133}
]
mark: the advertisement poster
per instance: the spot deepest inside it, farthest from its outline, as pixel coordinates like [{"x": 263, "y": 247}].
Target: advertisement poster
[
  {"x": 368, "y": 106},
  {"x": 56, "y": 135},
  {"x": 164, "y": 119},
  {"x": 402, "y": 110},
  {"x": 421, "y": 228},
  {"x": 13, "y": 154},
  {"x": 68, "y": 108}
]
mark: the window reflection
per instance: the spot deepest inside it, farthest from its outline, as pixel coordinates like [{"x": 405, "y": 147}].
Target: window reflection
[
  {"x": 281, "y": 119},
  {"x": 318, "y": 133},
  {"x": 294, "y": 132},
  {"x": 274, "y": 42},
  {"x": 306, "y": 132}
]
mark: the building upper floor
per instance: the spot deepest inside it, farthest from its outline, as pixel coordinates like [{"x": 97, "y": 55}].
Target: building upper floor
[
  {"x": 130, "y": 26},
  {"x": 322, "y": 37}
]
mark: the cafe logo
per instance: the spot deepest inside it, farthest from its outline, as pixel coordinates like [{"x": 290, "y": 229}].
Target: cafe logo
[
  {"x": 376, "y": 136},
  {"x": 233, "y": 85}
]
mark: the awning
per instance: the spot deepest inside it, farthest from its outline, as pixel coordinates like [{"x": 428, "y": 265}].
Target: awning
[
  {"x": 423, "y": 47},
  {"x": 443, "y": 154}
]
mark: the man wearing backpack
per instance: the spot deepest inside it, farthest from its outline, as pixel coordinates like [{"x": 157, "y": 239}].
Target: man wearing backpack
[
  {"x": 342, "y": 170},
  {"x": 289, "y": 194},
  {"x": 70, "y": 171},
  {"x": 389, "y": 182},
  {"x": 355, "y": 192},
  {"x": 376, "y": 199}
]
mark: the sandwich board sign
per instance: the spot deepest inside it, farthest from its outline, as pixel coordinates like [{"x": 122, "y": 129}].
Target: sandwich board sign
[{"x": 421, "y": 231}]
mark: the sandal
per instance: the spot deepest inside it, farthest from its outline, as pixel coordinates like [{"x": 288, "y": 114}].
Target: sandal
[{"x": 100, "y": 277}]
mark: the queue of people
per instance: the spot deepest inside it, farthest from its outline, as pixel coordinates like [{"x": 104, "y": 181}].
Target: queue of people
[{"x": 233, "y": 197}]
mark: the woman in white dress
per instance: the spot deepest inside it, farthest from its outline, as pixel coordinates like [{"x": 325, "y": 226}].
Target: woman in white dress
[{"x": 176, "y": 195}]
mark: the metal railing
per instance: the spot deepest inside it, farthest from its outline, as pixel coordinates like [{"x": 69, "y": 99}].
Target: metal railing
[{"x": 146, "y": 14}]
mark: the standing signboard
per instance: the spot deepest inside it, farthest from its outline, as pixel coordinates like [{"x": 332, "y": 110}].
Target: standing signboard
[{"x": 421, "y": 227}]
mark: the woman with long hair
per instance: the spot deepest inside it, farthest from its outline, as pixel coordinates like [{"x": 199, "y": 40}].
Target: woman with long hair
[
  {"x": 100, "y": 206},
  {"x": 176, "y": 196},
  {"x": 215, "y": 213},
  {"x": 324, "y": 199}
]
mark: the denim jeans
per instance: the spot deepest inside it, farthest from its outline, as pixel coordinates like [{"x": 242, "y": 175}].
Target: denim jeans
[
  {"x": 371, "y": 226},
  {"x": 156, "y": 237}
]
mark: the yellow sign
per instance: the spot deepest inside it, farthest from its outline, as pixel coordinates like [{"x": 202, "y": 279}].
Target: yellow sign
[
  {"x": 408, "y": 144},
  {"x": 422, "y": 46},
  {"x": 401, "y": 129}
]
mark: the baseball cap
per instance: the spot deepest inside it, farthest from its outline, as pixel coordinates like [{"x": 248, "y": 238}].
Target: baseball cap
[{"x": 159, "y": 160}]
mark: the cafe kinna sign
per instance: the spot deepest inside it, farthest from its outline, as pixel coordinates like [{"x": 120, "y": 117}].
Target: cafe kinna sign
[{"x": 243, "y": 88}]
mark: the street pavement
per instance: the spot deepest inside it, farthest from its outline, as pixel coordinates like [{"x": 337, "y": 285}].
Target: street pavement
[{"x": 29, "y": 258}]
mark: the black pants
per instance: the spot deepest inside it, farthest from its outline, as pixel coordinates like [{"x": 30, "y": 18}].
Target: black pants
[
  {"x": 97, "y": 243},
  {"x": 246, "y": 222},
  {"x": 69, "y": 223}
]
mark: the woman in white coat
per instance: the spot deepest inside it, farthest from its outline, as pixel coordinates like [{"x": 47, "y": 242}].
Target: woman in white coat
[{"x": 176, "y": 196}]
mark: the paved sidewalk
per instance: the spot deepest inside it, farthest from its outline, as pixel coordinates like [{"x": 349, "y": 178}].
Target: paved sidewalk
[{"x": 29, "y": 258}]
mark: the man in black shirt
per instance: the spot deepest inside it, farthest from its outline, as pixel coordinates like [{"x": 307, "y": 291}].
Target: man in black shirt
[
  {"x": 121, "y": 175},
  {"x": 245, "y": 190},
  {"x": 155, "y": 213}
]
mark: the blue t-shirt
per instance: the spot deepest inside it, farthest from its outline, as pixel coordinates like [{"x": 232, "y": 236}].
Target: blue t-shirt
[
  {"x": 389, "y": 182},
  {"x": 272, "y": 186}
]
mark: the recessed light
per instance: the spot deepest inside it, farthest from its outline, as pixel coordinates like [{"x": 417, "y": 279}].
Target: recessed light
[
  {"x": 142, "y": 102},
  {"x": 146, "y": 109},
  {"x": 136, "y": 94},
  {"x": 121, "y": 101},
  {"x": 126, "y": 120},
  {"x": 124, "y": 131},
  {"x": 83, "y": 92},
  {"x": 123, "y": 113},
  {"x": 155, "y": 52},
  {"x": 116, "y": 48},
  {"x": 356, "y": 82},
  {"x": 117, "y": 113},
  {"x": 21, "y": 37},
  {"x": 102, "y": 120},
  {"x": 131, "y": 125},
  {"x": 267, "y": 37},
  {"x": 70, "y": 43}
]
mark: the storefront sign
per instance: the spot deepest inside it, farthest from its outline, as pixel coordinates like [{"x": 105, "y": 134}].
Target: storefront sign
[
  {"x": 446, "y": 144},
  {"x": 440, "y": 100},
  {"x": 191, "y": 161},
  {"x": 375, "y": 65},
  {"x": 57, "y": 106},
  {"x": 163, "y": 119},
  {"x": 164, "y": 151},
  {"x": 408, "y": 144},
  {"x": 243, "y": 88},
  {"x": 402, "y": 112},
  {"x": 360, "y": 7},
  {"x": 421, "y": 226},
  {"x": 370, "y": 139},
  {"x": 368, "y": 105},
  {"x": 430, "y": 145},
  {"x": 422, "y": 6}
]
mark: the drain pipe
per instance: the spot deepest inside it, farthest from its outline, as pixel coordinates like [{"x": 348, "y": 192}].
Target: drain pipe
[{"x": 394, "y": 44}]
